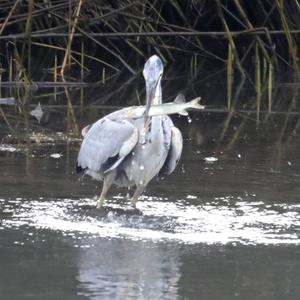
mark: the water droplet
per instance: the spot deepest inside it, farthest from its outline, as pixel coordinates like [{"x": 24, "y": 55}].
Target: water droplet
[
  {"x": 141, "y": 182},
  {"x": 211, "y": 159},
  {"x": 143, "y": 146},
  {"x": 133, "y": 162},
  {"x": 132, "y": 153},
  {"x": 189, "y": 120},
  {"x": 142, "y": 167},
  {"x": 56, "y": 155},
  {"x": 182, "y": 168}
]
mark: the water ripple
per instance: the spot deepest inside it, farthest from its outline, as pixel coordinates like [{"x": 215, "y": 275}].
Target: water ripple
[{"x": 223, "y": 220}]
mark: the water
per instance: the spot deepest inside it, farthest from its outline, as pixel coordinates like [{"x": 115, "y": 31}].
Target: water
[{"x": 225, "y": 225}]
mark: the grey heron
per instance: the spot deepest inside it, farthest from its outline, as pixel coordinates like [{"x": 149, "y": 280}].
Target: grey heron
[{"x": 131, "y": 152}]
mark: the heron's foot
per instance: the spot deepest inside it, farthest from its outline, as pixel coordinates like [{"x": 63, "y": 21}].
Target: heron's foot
[
  {"x": 134, "y": 200},
  {"x": 100, "y": 202},
  {"x": 136, "y": 195}
]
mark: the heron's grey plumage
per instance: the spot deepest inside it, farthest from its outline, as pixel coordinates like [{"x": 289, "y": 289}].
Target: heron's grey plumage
[
  {"x": 106, "y": 144},
  {"x": 125, "y": 152},
  {"x": 174, "y": 153}
]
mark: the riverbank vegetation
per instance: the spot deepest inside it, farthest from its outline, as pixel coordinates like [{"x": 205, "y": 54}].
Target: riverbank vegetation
[{"x": 77, "y": 53}]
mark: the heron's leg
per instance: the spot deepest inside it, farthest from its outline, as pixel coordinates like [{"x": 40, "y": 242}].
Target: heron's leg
[
  {"x": 137, "y": 193},
  {"x": 107, "y": 182}
]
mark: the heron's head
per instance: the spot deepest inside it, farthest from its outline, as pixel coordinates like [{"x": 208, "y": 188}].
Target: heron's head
[
  {"x": 153, "y": 70},
  {"x": 152, "y": 73}
]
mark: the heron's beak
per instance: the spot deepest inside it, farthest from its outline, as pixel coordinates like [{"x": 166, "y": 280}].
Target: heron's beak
[{"x": 151, "y": 88}]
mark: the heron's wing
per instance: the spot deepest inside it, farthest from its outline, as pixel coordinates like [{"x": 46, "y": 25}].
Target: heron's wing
[
  {"x": 174, "y": 153},
  {"x": 106, "y": 144}
]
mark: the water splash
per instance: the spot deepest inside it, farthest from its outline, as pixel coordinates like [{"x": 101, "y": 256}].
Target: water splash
[
  {"x": 8, "y": 148},
  {"x": 223, "y": 220}
]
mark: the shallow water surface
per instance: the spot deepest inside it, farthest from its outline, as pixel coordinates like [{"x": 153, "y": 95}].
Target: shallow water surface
[{"x": 225, "y": 225}]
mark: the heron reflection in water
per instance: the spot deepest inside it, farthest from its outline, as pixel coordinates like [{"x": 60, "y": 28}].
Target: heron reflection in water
[{"x": 130, "y": 152}]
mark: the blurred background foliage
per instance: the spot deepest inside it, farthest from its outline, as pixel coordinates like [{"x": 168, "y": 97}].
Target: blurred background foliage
[{"x": 83, "y": 52}]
